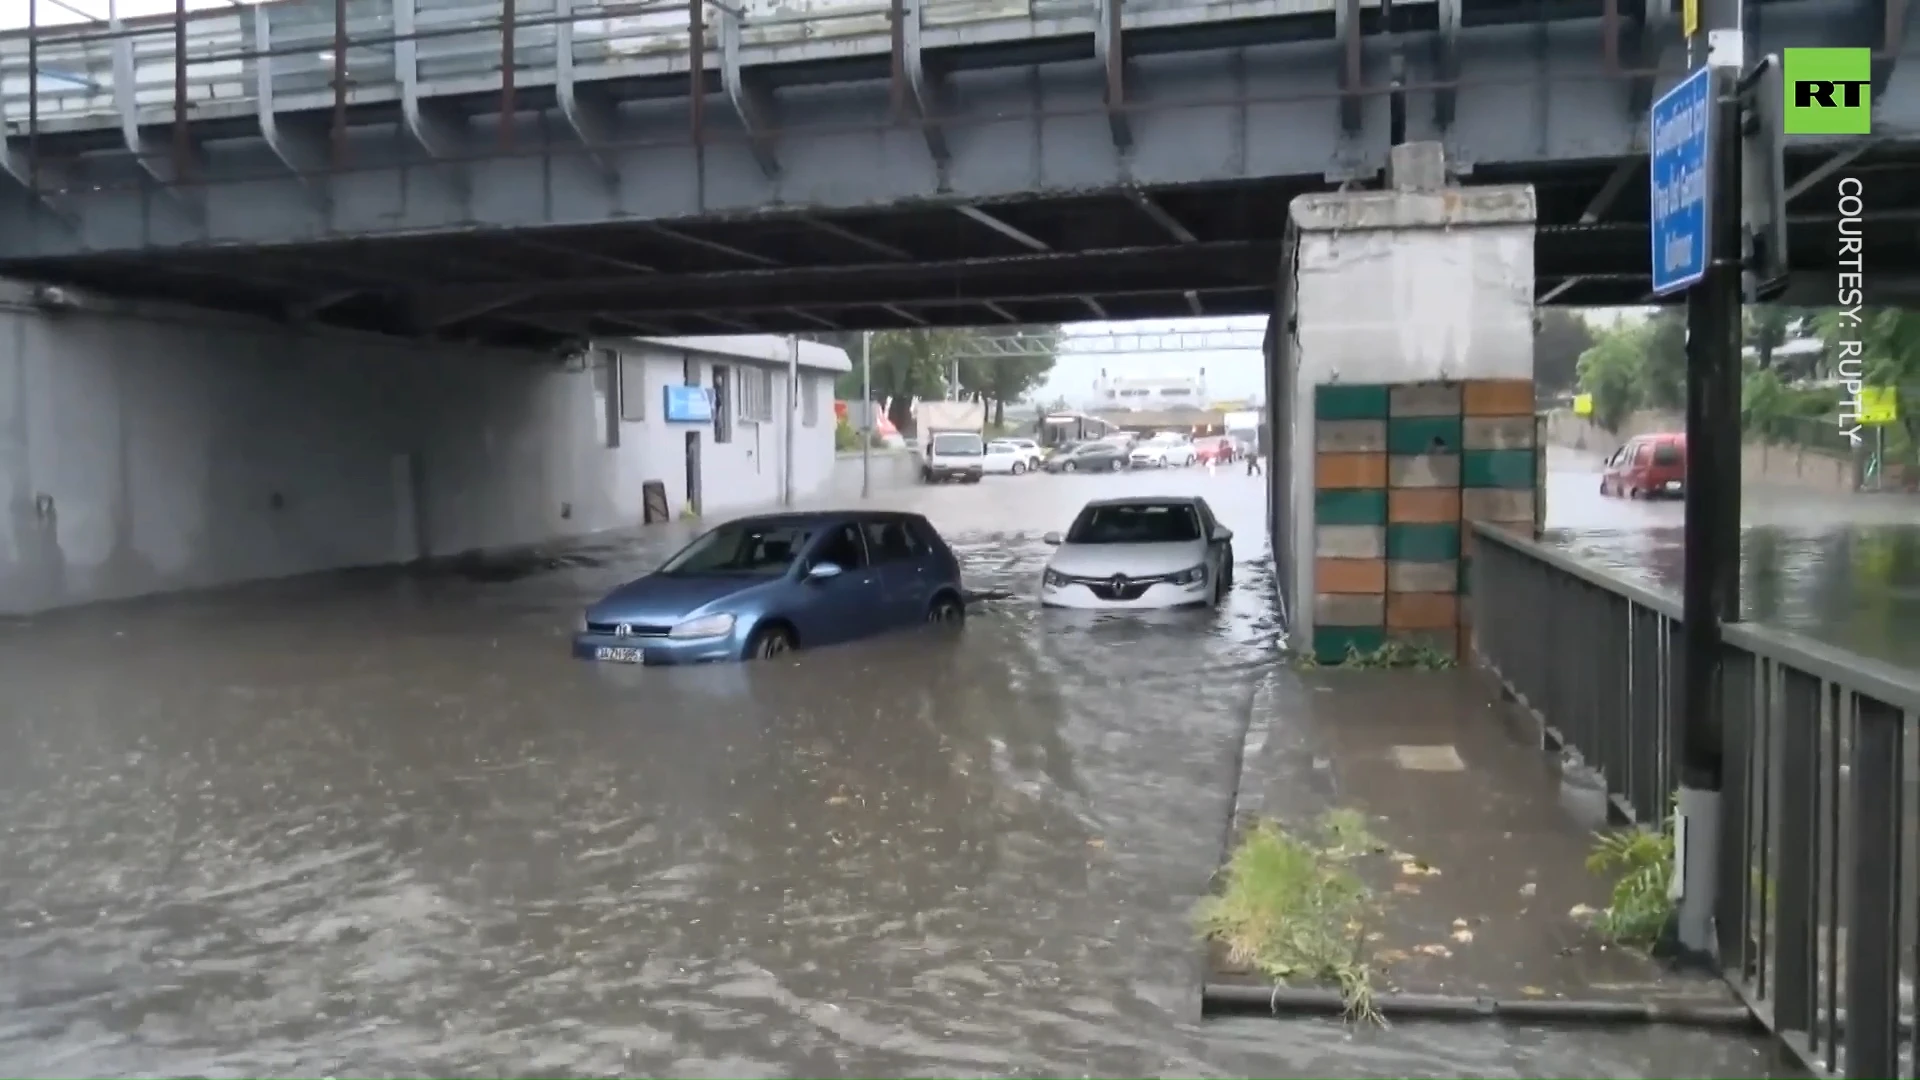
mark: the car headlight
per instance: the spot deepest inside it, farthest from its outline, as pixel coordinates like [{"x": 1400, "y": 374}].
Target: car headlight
[
  {"x": 704, "y": 626},
  {"x": 1190, "y": 576},
  {"x": 1051, "y": 580}
]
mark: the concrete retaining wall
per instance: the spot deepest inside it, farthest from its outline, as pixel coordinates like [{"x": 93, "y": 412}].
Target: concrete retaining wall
[
  {"x": 144, "y": 450},
  {"x": 1760, "y": 462},
  {"x": 891, "y": 469}
]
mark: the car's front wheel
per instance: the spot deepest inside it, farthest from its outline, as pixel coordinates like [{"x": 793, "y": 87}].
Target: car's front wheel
[
  {"x": 1019, "y": 467},
  {"x": 1069, "y": 467},
  {"x": 1117, "y": 465},
  {"x": 946, "y": 610},
  {"x": 770, "y": 641}
]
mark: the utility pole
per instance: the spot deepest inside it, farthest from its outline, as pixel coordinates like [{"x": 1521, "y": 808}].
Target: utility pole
[
  {"x": 793, "y": 411},
  {"x": 1712, "y": 536},
  {"x": 867, "y": 426}
]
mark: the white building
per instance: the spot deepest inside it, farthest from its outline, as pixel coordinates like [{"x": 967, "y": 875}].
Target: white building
[
  {"x": 737, "y": 459},
  {"x": 1150, "y": 394}
]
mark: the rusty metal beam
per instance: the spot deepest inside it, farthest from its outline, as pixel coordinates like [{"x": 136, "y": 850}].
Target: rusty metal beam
[
  {"x": 902, "y": 314},
  {"x": 877, "y": 247},
  {"x": 1026, "y": 240},
  {"x": 923, "y": 87},
  {"x": 585, "y": 110},
  {"x": 1000, "y": 312},
  {"x": 1109, "y": 49},
  {"x": 711, "y": 245},
  {"x": 752, "y": 103},
  {"x": 1158, "y": 214}
]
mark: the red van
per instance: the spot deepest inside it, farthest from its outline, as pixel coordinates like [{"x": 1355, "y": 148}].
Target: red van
[{"x": 1647, "y": 467}]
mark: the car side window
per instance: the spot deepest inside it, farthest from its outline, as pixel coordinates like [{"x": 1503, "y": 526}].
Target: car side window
[
  {"x": 1207, "y": 523},
  {"x": 1643, "y": 454},
  {"x": 843, "y": 548},
  {"x": 887, "y": 541},
  {"x": 922, "y": 537}
]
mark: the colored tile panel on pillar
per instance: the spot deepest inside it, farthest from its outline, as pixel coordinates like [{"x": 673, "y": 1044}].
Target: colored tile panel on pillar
[
  {"x": 1423, "y": 543},
  {"x": 1343, "y": 402},
  {"x": 1331, "y": 643},
  {"x": 1350, "y": 576},
  {"x": 1423, "y": 435},
  {"x": 1350, "y": 471},
  {"x": 1498, "y": 397},
  {"x": 1350, "y": 506},
  {"x": 1423, "y": 505},
  {"x": 1350, "y": 436},
  {"x": 1497, "y": 469}
]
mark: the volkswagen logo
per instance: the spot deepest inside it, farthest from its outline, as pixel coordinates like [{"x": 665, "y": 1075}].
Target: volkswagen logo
[
  {"x": 1119, "y": 582},
  {"x": 623, "y": 630}
]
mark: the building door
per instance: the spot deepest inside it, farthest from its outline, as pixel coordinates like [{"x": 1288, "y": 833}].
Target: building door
[{"x": 693, "y": 470}]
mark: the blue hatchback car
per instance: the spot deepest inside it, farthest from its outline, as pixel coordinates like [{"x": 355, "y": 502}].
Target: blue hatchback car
[{"x": 762, "y": 586}]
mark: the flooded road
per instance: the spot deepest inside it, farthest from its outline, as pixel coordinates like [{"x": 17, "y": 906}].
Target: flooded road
[
  {"x": 1844, "y": 569},
  {"x": 382, "y": 824}
]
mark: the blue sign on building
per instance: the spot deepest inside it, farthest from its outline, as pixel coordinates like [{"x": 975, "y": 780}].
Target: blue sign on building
[
  {"x": 1677, "y": 148},
  {"x": 688, "y": 405}
]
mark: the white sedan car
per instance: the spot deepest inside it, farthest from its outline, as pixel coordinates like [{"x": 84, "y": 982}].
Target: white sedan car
[
  {"x": 1140, "y": 553},
  {"x": 1006, "y": 458},
  {"x": 1035, "y": 456},
  {"x": 1161, "y": 453}
]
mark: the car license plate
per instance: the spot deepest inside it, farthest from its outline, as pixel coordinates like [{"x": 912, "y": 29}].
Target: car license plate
[
  {"x": 619, "y": 654},
  {"x": 1673, "y": 485}
]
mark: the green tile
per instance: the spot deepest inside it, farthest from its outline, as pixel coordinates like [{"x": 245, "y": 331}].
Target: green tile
[
  {"x": 1342, "y": 402},
  {"x": 1423, "y": 435},
  {"x": 1330, "y": 642},
  {"x": 1423, "y": 543},
  {"x": 1497, "y": 469},
  {"x": 1356, "y": 506}
]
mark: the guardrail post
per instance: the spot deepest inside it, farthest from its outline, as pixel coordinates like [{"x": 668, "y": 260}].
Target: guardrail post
[
  {"x": 1873, "y": 929},
  {"x": 1796, "y": 894}
]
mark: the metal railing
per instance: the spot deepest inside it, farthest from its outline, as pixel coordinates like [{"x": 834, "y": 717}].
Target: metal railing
[{"x": 1817, "y": 915}]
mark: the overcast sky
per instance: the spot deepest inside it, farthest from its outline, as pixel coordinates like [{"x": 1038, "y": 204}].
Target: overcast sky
[
  {"x": 1231, "y": 374},
  {"x": 13, "y": 13}
]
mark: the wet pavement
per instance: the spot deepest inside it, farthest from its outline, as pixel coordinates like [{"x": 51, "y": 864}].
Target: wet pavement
[
  {"x": 382, "y": 824},
  {"x": 1841, "y": 568}
]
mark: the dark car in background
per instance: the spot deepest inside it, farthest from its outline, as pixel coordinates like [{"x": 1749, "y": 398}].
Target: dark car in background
[
  {"x": 1090, "y": 457},
  {"x": 762, "y": 586}
]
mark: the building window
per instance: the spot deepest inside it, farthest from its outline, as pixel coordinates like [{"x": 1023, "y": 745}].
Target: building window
[
  {"x": 722, "y": 403},
  {"x": 809, "y": 400},
  {"x": 633, "y": 387},
  {"x": 756, "y": 395}
]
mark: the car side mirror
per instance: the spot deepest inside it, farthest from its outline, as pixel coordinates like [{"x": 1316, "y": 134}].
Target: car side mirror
[
  {"x": 1222, "y": 533},
  {"x": 1053, "y": 538},
  {"x": 825, "y": 571}
]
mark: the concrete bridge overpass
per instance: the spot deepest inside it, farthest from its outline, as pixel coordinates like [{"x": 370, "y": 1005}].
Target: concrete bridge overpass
[{"x": 557, "y": 169}]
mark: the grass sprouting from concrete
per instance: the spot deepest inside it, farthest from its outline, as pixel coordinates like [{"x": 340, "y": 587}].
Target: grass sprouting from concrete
[
  {"x": 1640, "y": 861},
  {"x": 1292, "y": 908}
]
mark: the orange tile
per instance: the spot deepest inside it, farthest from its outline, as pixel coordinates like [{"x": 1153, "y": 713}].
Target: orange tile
[
  {"x": 1423, "y": 611},
  {"x": 1499, "y": 397},
  {"x": 1445, "y": 641},
  {"x": 1350, "y": 575},
  {"x": 1350, "y": 471},
  {"x": 1424, "y": 505}
]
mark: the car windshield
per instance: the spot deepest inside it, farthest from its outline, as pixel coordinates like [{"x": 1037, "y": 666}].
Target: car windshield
[
  {"x": 1135, "y": 523},
  {"x": 958, "y": 445},
  {"x": 741, "y": 547}
]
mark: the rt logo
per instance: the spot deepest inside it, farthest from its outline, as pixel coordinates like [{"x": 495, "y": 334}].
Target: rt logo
[{"x": 1829, "y": 91}]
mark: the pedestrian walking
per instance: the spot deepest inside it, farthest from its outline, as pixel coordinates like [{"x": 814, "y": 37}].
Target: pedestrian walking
[{"x": 1253, "y": 463}]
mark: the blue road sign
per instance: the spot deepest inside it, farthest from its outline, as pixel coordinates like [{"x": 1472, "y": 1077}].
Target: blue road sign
[{"x": 1677, "y": 145}]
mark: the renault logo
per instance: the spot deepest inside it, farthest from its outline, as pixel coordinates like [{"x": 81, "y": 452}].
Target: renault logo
[
  {"x": 623, "y": 630},
  {"x": 1119, "y": 582}
]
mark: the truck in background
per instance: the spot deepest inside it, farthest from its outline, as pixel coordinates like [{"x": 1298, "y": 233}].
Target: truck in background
[{"x": 952, "y": 440}]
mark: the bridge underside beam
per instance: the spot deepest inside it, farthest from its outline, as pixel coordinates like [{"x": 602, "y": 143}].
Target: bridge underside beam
[{"x": 752, "y": 101}]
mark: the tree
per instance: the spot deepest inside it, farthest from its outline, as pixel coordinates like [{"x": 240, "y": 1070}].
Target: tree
[
  {"x": 909, "y": 364},
  {"x": 1765, "y": 329},
  {"x": 1005, "y": 379},
  {"x": 1663, "y": 376},
  {"x": 1557, "y": 346},
  {"x": 1611, "y": 372},
  {"x": 1889, "y": 356}
]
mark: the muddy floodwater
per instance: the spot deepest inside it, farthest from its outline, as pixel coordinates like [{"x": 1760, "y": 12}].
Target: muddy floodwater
[{"x": 382, "y": 824}]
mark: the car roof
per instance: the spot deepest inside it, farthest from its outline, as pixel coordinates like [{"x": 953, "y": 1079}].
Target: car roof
[
  {"x": 1146, "y": 500},
  {"x": 823, "y": 517}
]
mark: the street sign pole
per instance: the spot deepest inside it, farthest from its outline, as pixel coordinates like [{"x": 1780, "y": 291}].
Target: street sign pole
[{"x": 1696, "y": 165}]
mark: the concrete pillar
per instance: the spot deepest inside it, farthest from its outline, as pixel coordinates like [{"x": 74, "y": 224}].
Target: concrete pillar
[{"x": 1409, "y": 393}]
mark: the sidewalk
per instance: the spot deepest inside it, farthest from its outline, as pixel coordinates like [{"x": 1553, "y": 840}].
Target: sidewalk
[{"x": 1483, "y": 888}]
